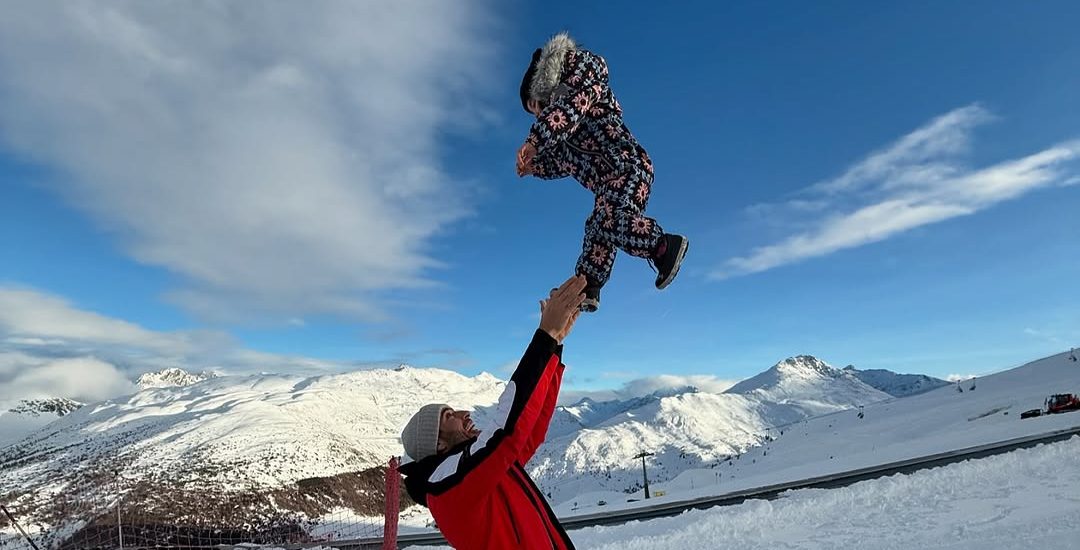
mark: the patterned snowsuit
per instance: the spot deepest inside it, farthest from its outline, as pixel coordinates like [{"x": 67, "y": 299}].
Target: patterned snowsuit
[{"x": 581, "y": 133}]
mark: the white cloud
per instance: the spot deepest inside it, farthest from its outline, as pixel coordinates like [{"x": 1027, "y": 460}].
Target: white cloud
[
  {"x": 703, "y": 382},
  {"x": 571, "y": 396},
  {"x": 49, "y": 347},
  {"x": 866, "y": 225},
  {"x": 918, "y": 180},
  {"x": 35, "y": 319},
  {"x": 1050, "y": 336},
  {"x": 281, "y": 158},
  {"x": 639, "y": 387},
  {"x": 508, "y": 367},
  {"x": 83, "y": 379},
  {"x": 921, "y": 150},
  {"x": 959, "y": 377}
]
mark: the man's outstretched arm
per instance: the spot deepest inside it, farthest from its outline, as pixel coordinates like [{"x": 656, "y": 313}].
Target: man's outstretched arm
[{"x": 476, "y": 468}]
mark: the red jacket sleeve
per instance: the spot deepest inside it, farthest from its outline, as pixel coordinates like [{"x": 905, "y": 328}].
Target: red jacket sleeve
[
  {"x": 540, "y": 429},
  {"x": 473, "y": 470}
]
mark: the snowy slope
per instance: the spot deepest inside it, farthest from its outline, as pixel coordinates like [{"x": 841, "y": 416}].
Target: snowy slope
[
  {"x": 234, "y": 432},
  {"x": 267, "y": 431},
  {"x": 1026, "y": 499},
  {"x": 28, "y": 415},
  {"x": 296, "y": 427},
  {"x": 892, "y": 430},
  {"x": 687, "y": 430},
  {"x": 896, "y": 385}
]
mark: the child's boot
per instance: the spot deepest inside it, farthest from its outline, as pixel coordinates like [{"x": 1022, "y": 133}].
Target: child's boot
[{"x": 668, "y": 258}]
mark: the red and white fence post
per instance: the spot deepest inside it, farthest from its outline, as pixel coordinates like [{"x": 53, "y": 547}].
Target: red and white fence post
[{"x": 393, "y": 497}]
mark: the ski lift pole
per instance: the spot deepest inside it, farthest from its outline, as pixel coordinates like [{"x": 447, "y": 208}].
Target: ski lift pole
[
  {"x": 119, "y": 505},
  {"x": 644, "y": 475},
  {"x": 19, "y": 527},
  {"x": 119, "y": 526}
]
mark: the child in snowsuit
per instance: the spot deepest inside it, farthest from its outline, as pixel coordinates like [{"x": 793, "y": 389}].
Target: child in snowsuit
[{"x": 579, "y": 132}]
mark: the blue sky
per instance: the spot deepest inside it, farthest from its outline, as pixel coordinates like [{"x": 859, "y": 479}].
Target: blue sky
[{"x": 312, "y": 188}]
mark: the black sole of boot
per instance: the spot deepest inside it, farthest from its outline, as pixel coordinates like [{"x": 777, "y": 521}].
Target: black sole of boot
[{"x": 678, "y": 263}]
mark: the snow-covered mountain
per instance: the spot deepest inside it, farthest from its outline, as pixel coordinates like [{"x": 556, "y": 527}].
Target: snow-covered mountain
[
  {"x": 51, "y": 408},
  {"x": 807, "y": 378},
  {"x": 172, "y": 377},
  {"x": 28, "y": 415},
  {"x": 294, "y": 427},
  {"x": 589, "y": 413},
  {"x": 686, "y": 430},
  {"x": 253, "y": 434},
  {"x": 260, "y": 434},
  {"x": 895, "y": 384}
]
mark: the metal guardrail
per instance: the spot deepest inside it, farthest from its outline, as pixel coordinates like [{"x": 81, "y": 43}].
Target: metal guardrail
[{"x": 768, "y": 492}]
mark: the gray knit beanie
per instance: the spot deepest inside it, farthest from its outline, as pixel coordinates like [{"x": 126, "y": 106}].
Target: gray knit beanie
[{"x": 421, "y": 435}]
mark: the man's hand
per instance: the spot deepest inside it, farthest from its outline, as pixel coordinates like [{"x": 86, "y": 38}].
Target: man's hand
[
  {"x": 525, "y": 160},
  {"x": 559, "y": 312}
]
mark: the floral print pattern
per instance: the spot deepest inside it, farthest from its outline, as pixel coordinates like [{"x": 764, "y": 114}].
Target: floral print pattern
[
  {"x": 581, "y": 133},
  {"x": 618, "y": 222}
]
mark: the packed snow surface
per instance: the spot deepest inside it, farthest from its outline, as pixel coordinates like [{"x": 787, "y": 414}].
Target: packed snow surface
[{"x": 1025, "y": 499}]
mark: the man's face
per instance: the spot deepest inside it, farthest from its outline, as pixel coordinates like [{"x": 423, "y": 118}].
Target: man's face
[{"x": 454, "y": 428}]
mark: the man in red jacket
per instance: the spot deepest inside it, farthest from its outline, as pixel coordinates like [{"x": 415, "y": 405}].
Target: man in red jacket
[{"x": 474, "y": 481}]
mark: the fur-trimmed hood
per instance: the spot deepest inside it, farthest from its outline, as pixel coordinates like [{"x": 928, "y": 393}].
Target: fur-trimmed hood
[{"x": 550, "y": 66}]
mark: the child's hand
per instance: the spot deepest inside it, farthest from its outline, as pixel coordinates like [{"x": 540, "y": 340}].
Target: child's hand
[{"x": 524, "y": 160}]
